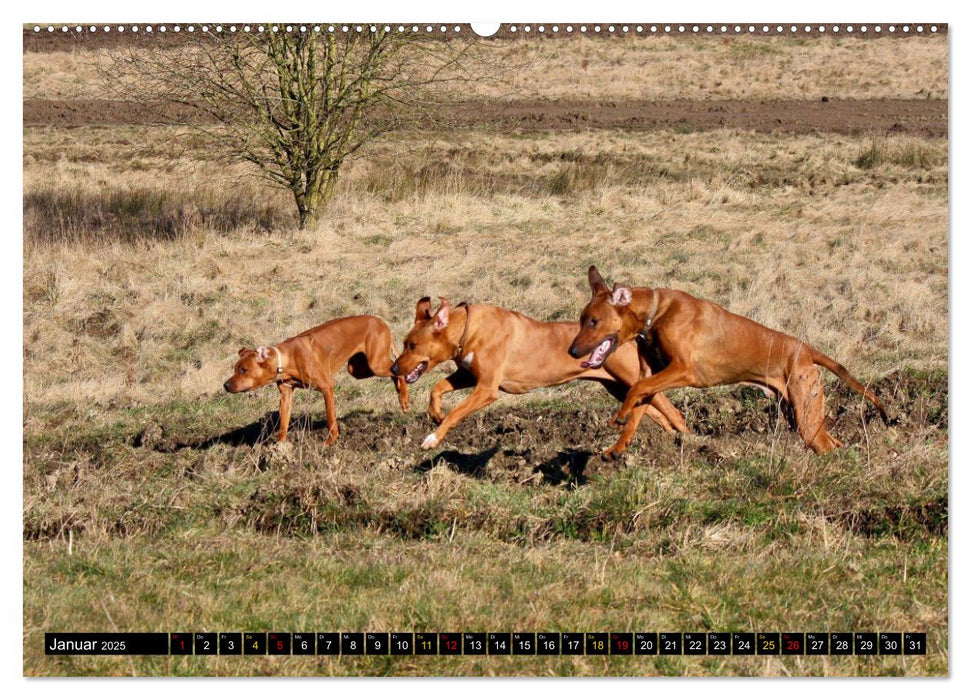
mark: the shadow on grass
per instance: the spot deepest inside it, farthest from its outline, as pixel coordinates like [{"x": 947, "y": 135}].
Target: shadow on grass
[
  {"x": 469, "y": 464},
  {"x": 262, "y": 430},
  {"x": 352, "y": 426},
  {"x": 569, "y": 465},
  {"x": 248, "y": 435}
]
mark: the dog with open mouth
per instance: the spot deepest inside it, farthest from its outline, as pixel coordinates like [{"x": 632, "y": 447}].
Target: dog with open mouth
[
  {"x": 690, "y": 342},
  {"x": 312, "y": 359},
  {"x": 498, "y": 350}
]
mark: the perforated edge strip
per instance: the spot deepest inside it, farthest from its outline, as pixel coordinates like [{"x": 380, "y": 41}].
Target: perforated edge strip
[{"x": 862, "y": 30}]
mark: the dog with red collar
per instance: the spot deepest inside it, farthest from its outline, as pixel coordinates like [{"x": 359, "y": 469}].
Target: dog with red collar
[
  {"x": 691, "y": 342},
  {"x": 496, "y": 349}
]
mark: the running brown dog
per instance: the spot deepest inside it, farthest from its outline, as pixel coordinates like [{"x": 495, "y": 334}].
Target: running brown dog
[
  {"x": 501, "y": 350},
  {"x": 312, "y": 359},
  {"x": 692, "y": 342}
]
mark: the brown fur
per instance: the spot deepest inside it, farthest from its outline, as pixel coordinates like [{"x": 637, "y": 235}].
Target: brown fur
[
  {"x": 692, "y": 342},
  {"x": 502, "y": 350},
  {"x": 312, "y": 360}
]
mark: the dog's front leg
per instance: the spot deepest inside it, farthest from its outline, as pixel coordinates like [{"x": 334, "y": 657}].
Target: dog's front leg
[
  {"x": 456, "y": 380},
  {"x": 481, "y": 396},
  {"x": 286, "y": 404},
  {"x": 627, "y": 434},
  {"x": 671, "y": 377},
  {"x": 401, "y": 386}
]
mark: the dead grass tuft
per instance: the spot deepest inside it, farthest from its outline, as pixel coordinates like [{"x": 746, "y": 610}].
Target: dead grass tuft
[
  {"x": 904, "y": 152},
  {"x": 141, "y": 214}
]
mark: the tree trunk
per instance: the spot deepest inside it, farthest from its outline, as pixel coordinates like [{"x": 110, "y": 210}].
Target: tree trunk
[{"x": 312, "y": 199}]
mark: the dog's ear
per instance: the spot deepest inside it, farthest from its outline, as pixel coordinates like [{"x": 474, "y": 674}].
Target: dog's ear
[
  {"x": 423, "y": 310},
  {"x": 597, "y": 284},
  {"x": 621, "y": 296},
  {"x": 243, "y": 351},
  {"x": 262, "y": 353},
  {"x": 441, "y": 316}
]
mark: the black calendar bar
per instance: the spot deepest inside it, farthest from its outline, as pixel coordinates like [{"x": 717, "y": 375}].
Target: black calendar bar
[
  {"x": 487, "y": 643},
  {"x": 106, "y": 643}
]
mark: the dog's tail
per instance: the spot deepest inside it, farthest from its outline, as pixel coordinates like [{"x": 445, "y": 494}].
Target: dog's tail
[{"x": 851, "y": 381}]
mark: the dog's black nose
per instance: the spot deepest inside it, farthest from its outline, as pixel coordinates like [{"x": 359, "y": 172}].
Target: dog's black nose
[
  {"x": 394, "y": 369},
  {"x": 573, "y": 353},
  {"x": 226, "y": 385}
]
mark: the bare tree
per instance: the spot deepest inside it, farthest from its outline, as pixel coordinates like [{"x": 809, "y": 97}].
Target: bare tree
[{"x": 299, "y": 103}]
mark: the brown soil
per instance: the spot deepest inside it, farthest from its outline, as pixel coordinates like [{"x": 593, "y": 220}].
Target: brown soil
[
  {"x": 69, "y": 113},
  {"x": 558, "y": 444},
  {"x": 925, "y": 118},
  {"x": 916, "y": 117}
]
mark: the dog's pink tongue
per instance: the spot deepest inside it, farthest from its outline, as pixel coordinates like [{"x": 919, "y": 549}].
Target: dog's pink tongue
[{"x": 598, "y": 354}]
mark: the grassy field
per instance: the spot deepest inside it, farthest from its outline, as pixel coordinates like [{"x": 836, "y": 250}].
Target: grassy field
[
  {"x": 658, "y": 67},
  {"x": 153, "y": 501}
]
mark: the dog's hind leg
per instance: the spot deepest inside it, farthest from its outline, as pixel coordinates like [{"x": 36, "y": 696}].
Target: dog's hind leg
[
  {"x": 332, "y": 431},
  {"x": 376, "y": 360},
  {"x": 805, "y": 389}
]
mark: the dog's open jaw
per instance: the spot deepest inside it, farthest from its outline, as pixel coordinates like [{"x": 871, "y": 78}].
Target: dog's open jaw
[
  {"x": 599, "y": 354},
  {"x": 413, "y": 375}
]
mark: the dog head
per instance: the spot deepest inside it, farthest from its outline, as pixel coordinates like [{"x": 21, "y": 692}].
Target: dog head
[
  {"x": 426, "y": 344},
  {"x": 254, "y": 368},
  {"x": 606, "y": 322}
]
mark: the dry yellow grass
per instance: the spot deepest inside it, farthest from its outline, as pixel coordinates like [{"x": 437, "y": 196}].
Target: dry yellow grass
[
  {"x": 641, "y": 68},
  {"x": 786, "y": 230}
]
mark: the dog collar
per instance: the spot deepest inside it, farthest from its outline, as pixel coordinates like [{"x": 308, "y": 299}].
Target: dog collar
[
  {"x": 460, "y": 348},
  {"x": 650, "y": 314},
  {"x": 279, "y": 360}
]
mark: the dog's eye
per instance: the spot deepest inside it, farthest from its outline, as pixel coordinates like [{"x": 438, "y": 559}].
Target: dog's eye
[
  {"x": 410, "y": 346},
  {"x": 242, "y": 370},
  {"x": 593, "y": 322}
]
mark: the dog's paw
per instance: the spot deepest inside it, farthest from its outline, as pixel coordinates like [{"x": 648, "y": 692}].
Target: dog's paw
[
  {"x": 430, "y": 442},
  {"x": 611, "y": 455}
]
